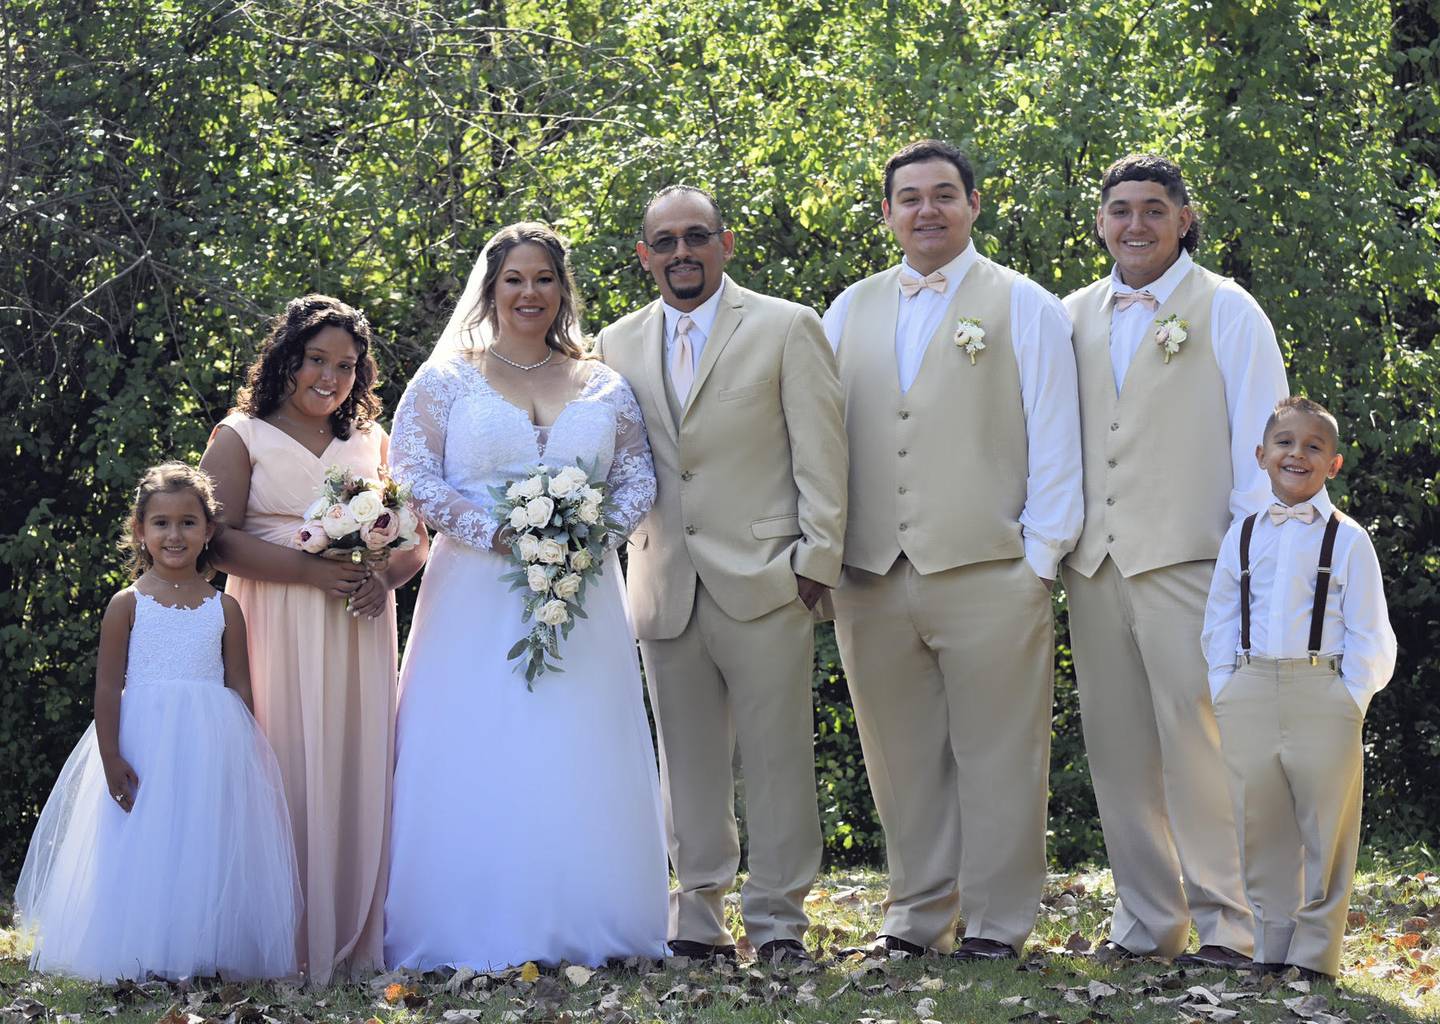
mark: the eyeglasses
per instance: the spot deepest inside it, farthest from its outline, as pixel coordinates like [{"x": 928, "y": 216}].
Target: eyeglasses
[{"x": 695, "y": 238}]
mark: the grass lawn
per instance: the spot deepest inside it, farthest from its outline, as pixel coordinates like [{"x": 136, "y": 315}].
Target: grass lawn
[{"x": 1390, "y": 975}]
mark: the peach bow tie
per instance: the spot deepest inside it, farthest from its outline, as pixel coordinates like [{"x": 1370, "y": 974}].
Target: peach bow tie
[
  {"x": 911, "y": 286},
  {"x": 1124, "y": 300},
  {"x": 1303, "y": 512}
]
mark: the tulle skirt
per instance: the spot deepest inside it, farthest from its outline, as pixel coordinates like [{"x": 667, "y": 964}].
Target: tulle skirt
[{"x": 197, "y": 880}]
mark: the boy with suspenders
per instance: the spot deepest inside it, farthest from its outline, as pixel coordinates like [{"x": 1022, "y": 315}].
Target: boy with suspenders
[{"x": 1298, "y": 639}]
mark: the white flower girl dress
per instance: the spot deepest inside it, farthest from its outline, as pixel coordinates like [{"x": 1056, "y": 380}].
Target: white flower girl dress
[{"x": 199, "y": 878}]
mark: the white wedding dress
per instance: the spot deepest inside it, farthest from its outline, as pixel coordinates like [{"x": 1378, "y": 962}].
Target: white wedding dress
[{"x": 527, "y": 825}]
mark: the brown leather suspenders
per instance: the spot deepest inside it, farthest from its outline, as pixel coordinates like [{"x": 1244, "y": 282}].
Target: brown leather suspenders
[{"x": 1322, "y": 584}]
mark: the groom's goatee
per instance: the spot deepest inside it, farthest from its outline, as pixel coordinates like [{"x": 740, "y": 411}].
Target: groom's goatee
[{"x": 691, "y": 291}]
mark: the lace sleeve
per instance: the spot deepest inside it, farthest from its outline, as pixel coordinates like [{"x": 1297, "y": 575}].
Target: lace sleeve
[
  {"x": 417, "y": 454},
  {"x": 632, "y": 471}
]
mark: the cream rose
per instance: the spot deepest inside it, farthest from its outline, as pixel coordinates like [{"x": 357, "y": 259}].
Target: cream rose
[
  {"x": 409, "y": 528},
  {"x": 538, "y": 578},
  {"x": 567, "y": 586},
  {"x": 518, "y": 519},
  {"x": 581, "y": 560},
  {"x": 528, "y": 488},
  {"x": 339, "y": 522},
  {"x": 539, "y": 511},
  {"x": 366, "y": 507},
  {"x": 552, "y": 552},
  {"x": 589, "y": 512},
  {"x": 567, "y": 482},
  {"x": 529, "y": 547},
  {"x": 553, "y": 613},
  {"x": 382, "y": 532},
  {"x": 312, "y": 537}
]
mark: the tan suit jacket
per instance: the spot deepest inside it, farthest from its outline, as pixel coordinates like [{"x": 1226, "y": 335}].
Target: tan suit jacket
[{"x": 751, "y": 480}]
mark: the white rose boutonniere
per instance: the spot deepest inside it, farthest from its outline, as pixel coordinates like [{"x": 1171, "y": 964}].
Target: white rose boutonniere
[
  {"x": 970, "y": 336},
  {"x": 1171, "y": 333}
]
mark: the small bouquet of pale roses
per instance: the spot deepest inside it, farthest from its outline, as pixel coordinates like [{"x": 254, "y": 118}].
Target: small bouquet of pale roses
[
  {"x": 561, "y": 520},
  {"x": 358, "y": 515}
]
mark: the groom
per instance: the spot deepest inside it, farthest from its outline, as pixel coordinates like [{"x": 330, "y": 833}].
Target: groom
[{"x": 742, "y": 406}]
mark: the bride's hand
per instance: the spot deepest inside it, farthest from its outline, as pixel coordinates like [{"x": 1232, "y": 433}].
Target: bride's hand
[{"x": 500, "y": 543}]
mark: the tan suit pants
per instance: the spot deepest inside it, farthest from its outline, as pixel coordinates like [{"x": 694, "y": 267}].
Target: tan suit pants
[
  {"x": 1291, "y": 734},
  {"x": 951, "y": 675},
  {"x": 1154, "y": 753},
  {"x": 719, "y": 684}
]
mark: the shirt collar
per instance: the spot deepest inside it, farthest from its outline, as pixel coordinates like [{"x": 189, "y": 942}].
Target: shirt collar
[
  {"x": 704, "y": 314},
  {"x": 1323, "y": 505},
  {"x": 954, "y": 271},
  {"x": 1163, "y": 286}
]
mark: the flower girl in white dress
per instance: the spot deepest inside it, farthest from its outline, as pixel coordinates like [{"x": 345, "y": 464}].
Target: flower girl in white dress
[{"x": 165, "y": 847}]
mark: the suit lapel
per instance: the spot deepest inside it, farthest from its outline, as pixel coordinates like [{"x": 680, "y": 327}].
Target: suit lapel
[
  {"x": 653, "y": 348},
  {"x": 727, "y": 322}
]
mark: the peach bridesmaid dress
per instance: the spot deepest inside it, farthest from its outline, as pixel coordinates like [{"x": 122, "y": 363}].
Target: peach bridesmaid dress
[{"x": 324, "y": 686}]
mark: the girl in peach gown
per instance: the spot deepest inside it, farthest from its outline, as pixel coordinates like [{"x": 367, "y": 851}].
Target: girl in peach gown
[{"x": 322, "y": 632}]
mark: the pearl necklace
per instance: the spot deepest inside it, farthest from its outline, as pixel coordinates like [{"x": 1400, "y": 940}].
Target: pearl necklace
[{"x": 522, "y": 366}]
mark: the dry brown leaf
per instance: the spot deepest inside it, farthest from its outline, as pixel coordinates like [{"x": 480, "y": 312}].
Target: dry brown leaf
[
  {"x": 1078, "y": 943},
  {"x": 1099, "y": 990},
  {"x": 1410, "y": 940},
  {"x": 578, "y": 976},
  {"x": 1416, "y": 924},
  {"x": 1356, "y": 919}
]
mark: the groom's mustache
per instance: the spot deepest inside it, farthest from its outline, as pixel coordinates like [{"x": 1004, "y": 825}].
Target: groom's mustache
[{"x": 681, "y": 264}]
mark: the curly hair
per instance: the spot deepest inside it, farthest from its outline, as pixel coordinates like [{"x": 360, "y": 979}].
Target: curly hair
[
  {"x": 271, "y": 376},
  {"x": 167, "y": 478},
  {"x": 564, "y": 332},
  {"x": 1148, "y": 167}
]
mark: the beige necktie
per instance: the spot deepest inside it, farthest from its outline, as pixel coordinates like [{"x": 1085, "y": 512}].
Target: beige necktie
[
  {"x": 910, "y": 285},
  {"x": 1124, "y": 300},
  {"x": 1303, "y": 512},
  {"x": 682, "y": 360}
]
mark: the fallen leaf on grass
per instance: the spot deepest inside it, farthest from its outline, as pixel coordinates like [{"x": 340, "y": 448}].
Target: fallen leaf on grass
[
  {"x": 925, "y": 1007},
  {"x": 1099, "y": 990},
  {"x": 1356, "y": 919},
  {"x": 1307, "y": 1006},
  {"x": 529, "y": 972},
  {"x": 1078, "y": 943},
  {"x": 1409, "y": 940},
  {"x": 578, "y": 976}
]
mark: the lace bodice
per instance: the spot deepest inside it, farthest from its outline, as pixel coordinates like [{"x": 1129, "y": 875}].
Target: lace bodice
[
  {"x": 455, "y": 437},
  {"x": 176, "y": 645}
]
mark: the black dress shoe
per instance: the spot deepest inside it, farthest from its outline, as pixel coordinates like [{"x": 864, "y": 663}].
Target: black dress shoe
[
  {"x": 1258, "y": 967},
  {"x": 983, "y": 949},
  {"x": 779, "y": 952},
  {"x": 1110, "y": 952},
  {"x": 883, "y": 947},
  {"x": 701, "y": 950},
  {"x": 1220, "y": 957},
  {"x": 1307, "y": 974}
]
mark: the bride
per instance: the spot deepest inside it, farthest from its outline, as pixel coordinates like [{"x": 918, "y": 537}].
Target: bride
[{"x": 527, "y": 825}]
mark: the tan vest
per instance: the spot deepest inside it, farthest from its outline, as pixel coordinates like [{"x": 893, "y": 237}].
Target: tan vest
[
  {"x": 1157, "y": 457},
  {"x": 938, "y": 472}
]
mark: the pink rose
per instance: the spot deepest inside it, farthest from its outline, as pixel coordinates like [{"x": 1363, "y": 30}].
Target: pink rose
[
  {"x": 381, "y": 532},
  {"x": 311, "y": 537}
]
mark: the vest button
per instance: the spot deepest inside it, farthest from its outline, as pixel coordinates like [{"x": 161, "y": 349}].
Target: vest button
[
  {"x": 1110, "y": 539},
  {"x": 689, "y": 529},
  {"x": 1109, "y": 501},
  {"x": 904, "y": 414},
  {"x": 686, "y": 475},
  {"x": 1115, "y": 426},
  {"x": 904, "y": 452},
  {"x": 1111, "y": 463},
  {"x": 904, "y": 527},
  {"x": 903, "y": 490}
]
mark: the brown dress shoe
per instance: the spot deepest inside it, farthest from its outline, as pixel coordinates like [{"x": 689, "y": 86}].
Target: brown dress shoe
[
  {"x": 780, "y": 952},
  {"x": 983, "y": 949},
  {"x": 1110, "y": 951},
  {"x": 701, "y": 950},
  {"x": 883, "y": 947},
  {"x": 1218, "y": 957}
]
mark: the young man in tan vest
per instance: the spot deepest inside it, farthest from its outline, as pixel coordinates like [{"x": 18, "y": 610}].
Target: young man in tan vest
[
  {"x": 742, "y": 406},
  {"x": 1178, "y": 371},
  {"x": 965, "y": 493}
]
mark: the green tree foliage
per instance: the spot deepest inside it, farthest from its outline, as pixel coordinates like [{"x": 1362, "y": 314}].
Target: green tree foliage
[{"x": 172, "y": 172}]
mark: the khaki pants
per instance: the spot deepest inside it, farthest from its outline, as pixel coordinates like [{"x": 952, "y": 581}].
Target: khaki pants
[
  {"x": 1291, "y": 734},
  {"x": 951, "y": 675},
  {"x": 719, "y": 684},
  {"x": 1154, "y": 753}
]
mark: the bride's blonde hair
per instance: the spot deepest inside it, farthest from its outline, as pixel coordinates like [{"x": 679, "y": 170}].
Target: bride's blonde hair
[{"x": 564, "y": 333}]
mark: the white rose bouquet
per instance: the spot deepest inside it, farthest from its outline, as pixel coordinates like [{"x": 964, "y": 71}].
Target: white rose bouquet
[
  {"x": 358, "y": 515},
  {"x": 561, "y": 520}
]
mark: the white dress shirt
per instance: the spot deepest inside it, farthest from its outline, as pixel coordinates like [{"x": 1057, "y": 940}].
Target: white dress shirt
[
  {"x": 1283, "y": 562},
  {"x": 703, "y": 316},
  {"x": 1250, "y": 364},
  {"x": 1040, "y": 335}
]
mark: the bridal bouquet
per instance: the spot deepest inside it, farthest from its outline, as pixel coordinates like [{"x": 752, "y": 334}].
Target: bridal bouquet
[
  {"x": 358, "y": 514},
  {"x": 561, "y": 519}
]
